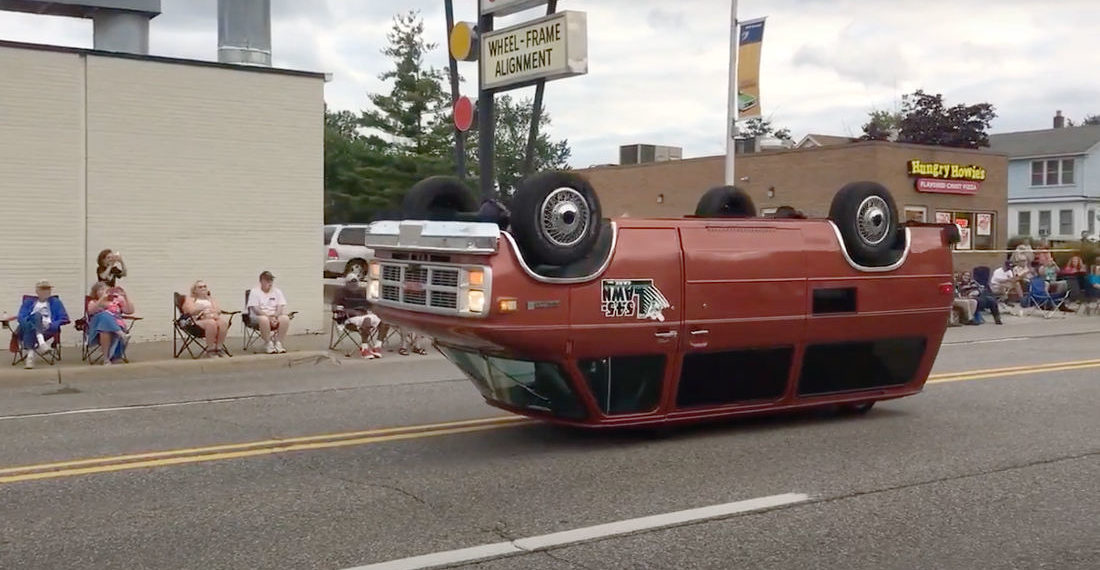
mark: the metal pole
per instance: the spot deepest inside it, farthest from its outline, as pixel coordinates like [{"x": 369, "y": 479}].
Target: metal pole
[
  {"x": 731, "y": 110},
  {"x": 536, "y": 111},
  {"x": 460, "y": 137},
  {"x": 485, "y": 119}
]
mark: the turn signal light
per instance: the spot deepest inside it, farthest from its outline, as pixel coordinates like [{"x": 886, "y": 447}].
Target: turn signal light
[
  {"x": 507, "y": 304},
  {"x": 947, "y": 288},
  {"x": 477, "y": 278}
]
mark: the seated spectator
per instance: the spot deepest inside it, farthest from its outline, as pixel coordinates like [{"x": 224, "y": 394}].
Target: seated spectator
[
  {"x": 352, "y": 300},
  {"x": 1075, "y": 269},
  {"x": 105, "y": 323},
  {"x": 207, "y": 313},
  {"x": 41, "y": 317},
  {"x": 267, "y": 307},
  {"x": 1004, "y": 284},
  {"x": 1049, "y": 270},
  {"x": 110, "y": 267},
  {"x": 968, "y": 288},
  {"x": 1094, "y": 281}
]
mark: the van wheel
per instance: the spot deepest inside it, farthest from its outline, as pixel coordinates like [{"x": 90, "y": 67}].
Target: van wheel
[
  {"x": 356, "y": 266},
  {"x": 555, "y": 218},
  {"x": 725, "y": 202},
  {"x": 438, "y": 197},
  {"x": 867, "y": 218}
]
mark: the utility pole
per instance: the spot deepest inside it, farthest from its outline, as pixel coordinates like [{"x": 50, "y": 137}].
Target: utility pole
[
  {"x": 460, "y": 137},
  {"x": 731, "y": 110}
]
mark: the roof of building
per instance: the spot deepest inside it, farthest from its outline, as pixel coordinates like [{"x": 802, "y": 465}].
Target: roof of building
[
  {"x": 1046, "y": 142},
  {"x": 825, "y": 140},
  {"x": 162, "y": 59}
]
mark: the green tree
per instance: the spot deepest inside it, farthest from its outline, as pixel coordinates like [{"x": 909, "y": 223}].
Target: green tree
[
  {"x": 881, "y": 125},
  {"x": 414, "y": 114},
  {"x": 926, "y": 120},
  {"x": 513, "y": 126},
  {"x": 761, "y": 127},
  {"x": 1091, "y": 120}
]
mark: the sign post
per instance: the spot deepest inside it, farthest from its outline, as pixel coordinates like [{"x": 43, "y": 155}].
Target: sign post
[{"x": 731, "y": 109}]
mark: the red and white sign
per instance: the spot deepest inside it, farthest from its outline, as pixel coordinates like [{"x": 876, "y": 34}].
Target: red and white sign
[
  {"x": 463, "y": 113},
  {"x": 947, "y": 186}
]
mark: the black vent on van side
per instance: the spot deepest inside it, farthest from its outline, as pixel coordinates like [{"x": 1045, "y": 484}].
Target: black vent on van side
[{"x": 842, "y": 300}]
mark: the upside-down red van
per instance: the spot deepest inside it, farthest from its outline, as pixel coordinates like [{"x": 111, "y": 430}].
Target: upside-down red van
[{"x": 577, "y": 319}]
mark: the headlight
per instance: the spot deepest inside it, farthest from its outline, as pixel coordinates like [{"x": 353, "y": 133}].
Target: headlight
[
  {"x": 372, "y": 289},
  {"x": 475, "y": 301}
]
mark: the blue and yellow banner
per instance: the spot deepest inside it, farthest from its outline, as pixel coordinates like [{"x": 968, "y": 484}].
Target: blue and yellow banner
[{"x": 751, "y": 37}]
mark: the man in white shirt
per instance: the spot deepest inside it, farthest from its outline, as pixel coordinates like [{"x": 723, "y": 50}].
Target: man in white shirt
[
  {"x": 267, "y": 307},
  {"x": 1005, "y": 283}
]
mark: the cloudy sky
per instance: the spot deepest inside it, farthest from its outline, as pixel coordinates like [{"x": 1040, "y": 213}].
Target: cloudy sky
[{"x": 657, "y": 69}]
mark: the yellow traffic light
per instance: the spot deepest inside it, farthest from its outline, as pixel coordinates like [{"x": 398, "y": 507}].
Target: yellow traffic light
[{"x": 464, "y": 42}]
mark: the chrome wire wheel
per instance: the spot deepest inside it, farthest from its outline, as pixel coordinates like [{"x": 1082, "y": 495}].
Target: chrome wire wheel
[
  {"x": 563, "y": 217},
  {"x": 873, "y": 220}
]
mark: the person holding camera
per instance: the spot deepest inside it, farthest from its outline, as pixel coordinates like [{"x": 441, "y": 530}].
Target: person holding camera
[{"x": 110, "y": 267}]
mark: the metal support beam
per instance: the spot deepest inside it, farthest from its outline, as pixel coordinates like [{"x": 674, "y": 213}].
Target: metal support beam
[
  {"x": 460, "y": 137},
  {"x": 536, "y": 111},
  {"x": 486, "y": 121}
]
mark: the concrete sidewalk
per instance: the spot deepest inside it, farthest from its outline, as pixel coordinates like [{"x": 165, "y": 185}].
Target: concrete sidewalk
[{"x": 154, "y": 359}]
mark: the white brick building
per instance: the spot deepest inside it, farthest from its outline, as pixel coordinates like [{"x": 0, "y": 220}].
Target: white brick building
[{"x": 193, "y": 170}]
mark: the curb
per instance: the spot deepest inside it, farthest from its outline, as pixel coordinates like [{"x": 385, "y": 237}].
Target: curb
[{"x": 162, "y": 368}]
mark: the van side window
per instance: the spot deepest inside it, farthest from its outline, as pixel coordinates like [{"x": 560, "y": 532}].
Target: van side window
[
  {"x": 746, "y": 375},
  {"x": 625, "y": 384},
  {"x": 352, "y": 236},
  {"x": 328, "y": 235}
]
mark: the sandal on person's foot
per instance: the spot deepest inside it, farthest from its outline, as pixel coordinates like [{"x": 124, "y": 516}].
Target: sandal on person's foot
[{"x": 403, "y": 351}]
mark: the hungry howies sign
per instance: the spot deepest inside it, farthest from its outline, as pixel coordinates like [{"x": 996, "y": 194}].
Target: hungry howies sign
[
  {"x": 946, "y": 178},
  {"x": 548, "y": 48}
]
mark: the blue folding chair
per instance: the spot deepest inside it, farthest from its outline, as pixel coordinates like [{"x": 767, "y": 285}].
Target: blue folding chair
[{"x": 1038, "y": 297}]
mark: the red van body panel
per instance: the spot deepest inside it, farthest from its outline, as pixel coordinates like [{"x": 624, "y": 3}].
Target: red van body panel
[{"x": 697, "y": 318}]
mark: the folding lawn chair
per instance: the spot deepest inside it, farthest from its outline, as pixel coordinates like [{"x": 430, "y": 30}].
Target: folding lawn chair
[
  {"x": 50, "y": 354},
  {"x": 94, "y": 354},
  {"x": 251, "y": 329},
  {"x": 1038, "y": 297},
  {"x": 188, "y": 335},
  {"x": 339, "y": 331}
]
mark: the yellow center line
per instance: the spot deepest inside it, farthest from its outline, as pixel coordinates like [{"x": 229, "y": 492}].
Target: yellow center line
[
  {"x": 222, "y": 452},
  {"x": 276, "y": 443}
]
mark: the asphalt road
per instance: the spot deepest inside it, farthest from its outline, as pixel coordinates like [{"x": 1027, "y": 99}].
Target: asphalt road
[{"x": 996, "y": 472}]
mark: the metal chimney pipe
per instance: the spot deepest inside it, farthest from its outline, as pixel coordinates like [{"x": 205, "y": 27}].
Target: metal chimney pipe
[{"x": 244, "y": 32}]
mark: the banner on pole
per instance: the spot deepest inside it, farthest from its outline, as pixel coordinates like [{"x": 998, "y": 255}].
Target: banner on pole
[{"x": 750, "y": 38}]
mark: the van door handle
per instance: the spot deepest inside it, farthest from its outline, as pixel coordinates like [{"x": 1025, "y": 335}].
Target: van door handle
[
  {"x": 700, "y": 331},
  {"x": 665, "y": 334}
]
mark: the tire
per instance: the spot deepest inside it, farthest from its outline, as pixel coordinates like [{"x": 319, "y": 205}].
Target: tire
[
  {"x": 357, "y": 266},
  {"x": 867, "y": 217},
  {"x": 725, "y": 202},
  {"x": 856, "y": 409},
  {"x": 437, "y": 197},
  {"x": 555, "y": 218}
]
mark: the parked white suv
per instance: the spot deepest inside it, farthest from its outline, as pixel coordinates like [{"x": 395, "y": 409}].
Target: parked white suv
[{"x": 344, "y": 249}]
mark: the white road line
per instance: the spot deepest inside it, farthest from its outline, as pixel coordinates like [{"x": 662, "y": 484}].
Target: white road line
[
  {"x": 990, "y": 341},
  {"x": 557, "y": 539}
]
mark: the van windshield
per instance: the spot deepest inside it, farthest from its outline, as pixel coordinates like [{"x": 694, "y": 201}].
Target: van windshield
[{"x": 541, "y": 386}]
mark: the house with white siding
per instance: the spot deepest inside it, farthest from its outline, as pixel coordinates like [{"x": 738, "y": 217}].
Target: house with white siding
[{"x": 1053, "y": 180}]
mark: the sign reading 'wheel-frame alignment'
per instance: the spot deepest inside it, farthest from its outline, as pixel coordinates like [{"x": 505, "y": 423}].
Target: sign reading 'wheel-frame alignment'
[{"x": 549, "y": 48}]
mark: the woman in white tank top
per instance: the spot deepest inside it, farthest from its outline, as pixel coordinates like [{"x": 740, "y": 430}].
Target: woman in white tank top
[{"x": 204, "y": 309}]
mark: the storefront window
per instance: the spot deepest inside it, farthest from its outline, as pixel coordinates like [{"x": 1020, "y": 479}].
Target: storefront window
[
  {"x": 976, "y": 229},
  {"x": 916, "y": 214}
]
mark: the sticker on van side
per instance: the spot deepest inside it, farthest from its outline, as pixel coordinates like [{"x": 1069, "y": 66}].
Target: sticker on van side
[{"x": 638, "y": 298}]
